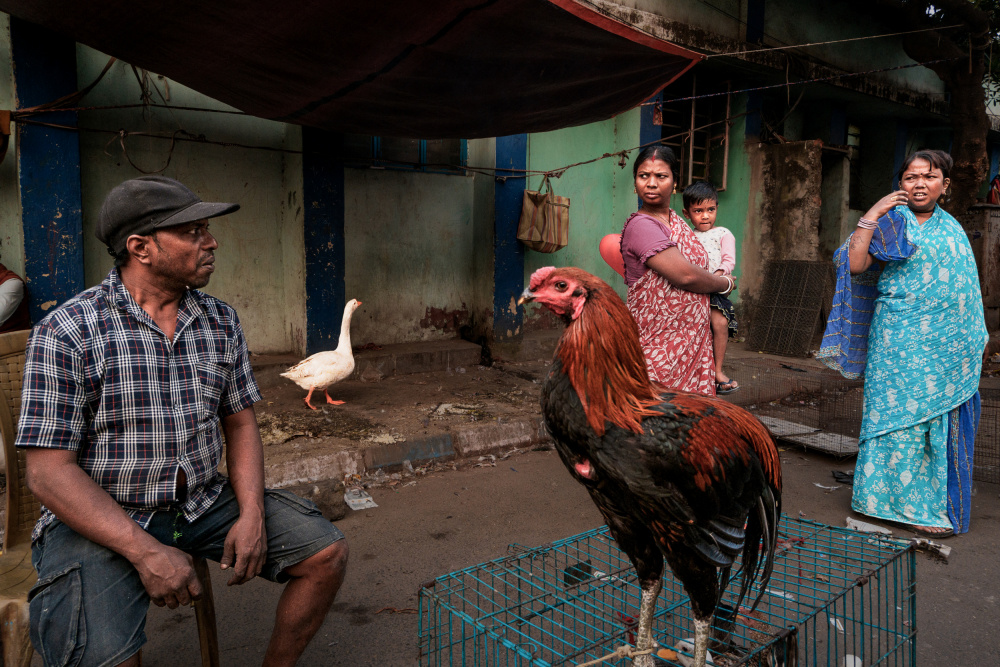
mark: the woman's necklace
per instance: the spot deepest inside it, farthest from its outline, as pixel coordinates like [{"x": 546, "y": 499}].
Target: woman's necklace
[{"x": 659, "y": 216}]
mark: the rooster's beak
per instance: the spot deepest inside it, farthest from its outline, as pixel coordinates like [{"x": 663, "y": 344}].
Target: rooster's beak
[{"x": 526, "y": 296}]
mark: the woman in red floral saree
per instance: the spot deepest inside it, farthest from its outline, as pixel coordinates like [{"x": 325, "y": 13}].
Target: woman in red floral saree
[{"x": 666, "y": 270}]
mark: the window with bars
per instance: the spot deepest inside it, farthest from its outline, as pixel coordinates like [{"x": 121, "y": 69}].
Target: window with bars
[
  {"x": 429, "y": 155},
  {"x": 698, "y": 132}
]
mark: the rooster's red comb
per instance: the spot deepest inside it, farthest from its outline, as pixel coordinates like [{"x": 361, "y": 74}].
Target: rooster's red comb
[{"x": 539, "y": 276}]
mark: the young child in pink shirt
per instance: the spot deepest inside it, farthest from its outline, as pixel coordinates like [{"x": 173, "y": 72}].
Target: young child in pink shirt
[{"x": 701, "y": 205}]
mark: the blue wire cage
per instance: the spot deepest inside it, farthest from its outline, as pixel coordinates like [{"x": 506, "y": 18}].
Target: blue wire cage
[{"x": 837, "y": 597}]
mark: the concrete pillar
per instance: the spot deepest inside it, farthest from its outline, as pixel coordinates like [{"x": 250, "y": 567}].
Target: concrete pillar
[
  {"x": 508, "y": 267},
  {"x": 48, "y": 168},
  {"x": 902, "y": 139},
  {"x": 323, "y": 194}
]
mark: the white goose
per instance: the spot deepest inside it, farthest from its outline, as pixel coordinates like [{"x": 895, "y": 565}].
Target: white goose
[{"x": 323, "y": 369}]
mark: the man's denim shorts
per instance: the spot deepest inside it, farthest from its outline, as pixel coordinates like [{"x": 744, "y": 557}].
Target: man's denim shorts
[{"x": 89, "y": 605}]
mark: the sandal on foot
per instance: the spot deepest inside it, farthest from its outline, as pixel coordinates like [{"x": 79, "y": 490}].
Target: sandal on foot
[
  {"x": 932, "y": 532},
  {"x": 726, "y": 387}
]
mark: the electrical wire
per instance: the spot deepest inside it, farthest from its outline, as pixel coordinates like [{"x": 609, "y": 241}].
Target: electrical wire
[
  {"x": 787, "y": 84},
  {"x": 832, "y": 41},
  {"x": 502, "y": 174}
]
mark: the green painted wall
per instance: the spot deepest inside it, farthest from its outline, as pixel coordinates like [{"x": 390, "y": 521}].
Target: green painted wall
[
  {"x": 739, "y": 201},
  {"x": 602, "y": 193},
  {"x": 410, "y": 254}
]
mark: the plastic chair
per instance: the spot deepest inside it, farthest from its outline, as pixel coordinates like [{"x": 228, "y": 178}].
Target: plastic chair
[{"x": 17, "y": 575}]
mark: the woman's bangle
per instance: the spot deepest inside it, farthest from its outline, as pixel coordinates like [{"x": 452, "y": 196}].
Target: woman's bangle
[
  {"x": 865, "y": 223},
  {"x": 732, "y": 285}
]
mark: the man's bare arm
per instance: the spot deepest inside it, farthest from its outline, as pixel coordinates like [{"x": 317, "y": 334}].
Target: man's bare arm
[
  {"x": 245, "y": 548},
  {"x": 55, "y": 478}
]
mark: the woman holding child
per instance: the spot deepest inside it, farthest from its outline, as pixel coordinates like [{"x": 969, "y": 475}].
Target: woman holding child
[
  {"x": 908, "y": 315},
  {"x": 666, "y": 270}
]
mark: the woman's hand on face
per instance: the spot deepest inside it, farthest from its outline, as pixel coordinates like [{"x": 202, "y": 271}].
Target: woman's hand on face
[{"x": 887, "y": 203}]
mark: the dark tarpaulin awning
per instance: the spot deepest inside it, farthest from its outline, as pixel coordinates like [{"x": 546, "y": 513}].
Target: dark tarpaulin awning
[{"x": 454, "y": 68}]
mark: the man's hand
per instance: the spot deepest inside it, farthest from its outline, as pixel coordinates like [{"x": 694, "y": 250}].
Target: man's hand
[
  {"x": 245, "y": 549},
  {"x": 168, "y": 576}
]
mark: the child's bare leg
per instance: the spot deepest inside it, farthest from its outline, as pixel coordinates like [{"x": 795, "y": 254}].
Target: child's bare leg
[{"x": 720, "y": 336}]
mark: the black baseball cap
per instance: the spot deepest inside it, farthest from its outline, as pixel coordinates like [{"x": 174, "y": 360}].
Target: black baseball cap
[{"x": 141, "y": 205}]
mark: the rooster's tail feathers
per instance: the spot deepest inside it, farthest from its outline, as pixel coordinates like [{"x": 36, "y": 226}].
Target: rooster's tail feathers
[
  {"x": 766, "y": 532},
  {"x": 759, "y": 550}
]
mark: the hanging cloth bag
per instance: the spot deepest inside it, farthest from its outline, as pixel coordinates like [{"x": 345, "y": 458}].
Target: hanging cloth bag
[{"x": 544, "y": 223}]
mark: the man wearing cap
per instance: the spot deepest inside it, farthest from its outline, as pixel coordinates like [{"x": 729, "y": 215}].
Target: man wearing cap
[{"x": 129, "y": 388}]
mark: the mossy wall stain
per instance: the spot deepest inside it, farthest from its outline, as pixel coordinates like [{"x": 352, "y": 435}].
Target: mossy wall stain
[{"x": 785, "y": 224}]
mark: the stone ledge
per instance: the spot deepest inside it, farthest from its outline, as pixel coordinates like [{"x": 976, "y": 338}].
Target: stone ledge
[
  {"x": 312, "y": 468},
  {"x": 490, "y": 437}
]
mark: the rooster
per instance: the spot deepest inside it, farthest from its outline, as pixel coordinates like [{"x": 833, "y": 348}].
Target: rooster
[{"x": 683, "y": 477}]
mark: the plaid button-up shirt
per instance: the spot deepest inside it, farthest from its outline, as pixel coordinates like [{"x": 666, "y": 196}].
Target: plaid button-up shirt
[{"x": 102, "y": 379}]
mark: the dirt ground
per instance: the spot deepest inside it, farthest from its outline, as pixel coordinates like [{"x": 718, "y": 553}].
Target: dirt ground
[{"x": 393, "y": 408}]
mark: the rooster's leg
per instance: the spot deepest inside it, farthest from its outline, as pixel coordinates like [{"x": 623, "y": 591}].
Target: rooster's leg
[
  {"x": 701, "y": 631},
  {"x": 308, "y": 396},
  {"x": 330, "y": 400},
  {"x": 647, "y": 605}
]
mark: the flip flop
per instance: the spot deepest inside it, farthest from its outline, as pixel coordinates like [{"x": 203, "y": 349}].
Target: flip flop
[
  {"x": 940, "y": 534},
  {"x": 726, "y": 387}
]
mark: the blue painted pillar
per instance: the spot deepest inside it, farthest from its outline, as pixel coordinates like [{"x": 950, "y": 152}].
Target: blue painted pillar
[
  {"x": 648, "y": 132},
  {"x": 323, "y": 194},
  {"x": 48, "y": 168},
  {"x": 508, "y": 253},
  {"x": 752, "y": 120}
]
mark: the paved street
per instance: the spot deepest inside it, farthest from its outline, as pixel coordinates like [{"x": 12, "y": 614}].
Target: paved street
[{"x": 454, "y": 519}]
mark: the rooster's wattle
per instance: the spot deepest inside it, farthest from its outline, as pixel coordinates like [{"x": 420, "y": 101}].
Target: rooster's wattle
[{"x": 683, "y": 477}]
